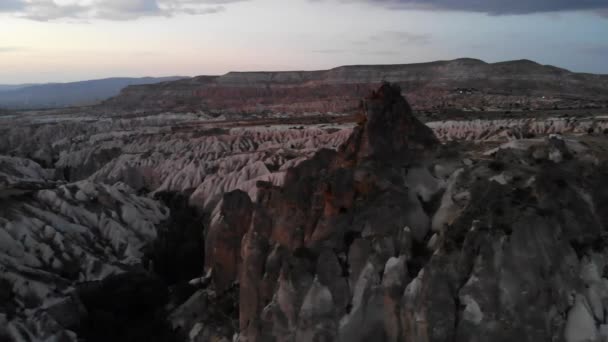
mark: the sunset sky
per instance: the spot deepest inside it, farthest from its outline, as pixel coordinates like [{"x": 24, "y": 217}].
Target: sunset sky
[{"x": 68, "y": 40}]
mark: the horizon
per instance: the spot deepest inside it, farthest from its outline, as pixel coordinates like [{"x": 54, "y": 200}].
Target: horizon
[
  {"x": 60, "y": 41},
  {"x": 279, "y": 71}
]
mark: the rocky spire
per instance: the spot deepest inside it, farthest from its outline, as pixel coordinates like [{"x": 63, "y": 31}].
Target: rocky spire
[
  {"x": 390, "y": 131},
  {"x": 337, "y": 220}
]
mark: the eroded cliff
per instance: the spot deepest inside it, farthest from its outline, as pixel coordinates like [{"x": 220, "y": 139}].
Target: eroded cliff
[
  {"x": 396, "y": 238},
  {"x": 462, "y": 83}
]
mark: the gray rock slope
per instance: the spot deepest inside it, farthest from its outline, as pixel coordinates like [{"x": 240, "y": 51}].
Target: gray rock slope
[{"x": 387, "y": 230}]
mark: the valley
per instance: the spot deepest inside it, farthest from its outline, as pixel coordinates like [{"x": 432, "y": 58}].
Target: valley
[{"x": 353, "y": 215}]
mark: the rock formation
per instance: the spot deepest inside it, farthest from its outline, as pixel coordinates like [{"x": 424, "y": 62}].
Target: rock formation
[
  {"x": 189, "y": 227},
  {"x": 442, "y": 85},
  {"x": 396, "y": 238},
  {"x": 313, "y": 257},
  {"x": 52, "y": 239},
  {"x": 499, "y": 130}
]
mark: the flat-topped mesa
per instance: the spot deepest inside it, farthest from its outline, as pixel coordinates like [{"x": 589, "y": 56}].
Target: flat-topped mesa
[
  {"x": 430, "y": 87},
  {"x": 390, "y": 131}
]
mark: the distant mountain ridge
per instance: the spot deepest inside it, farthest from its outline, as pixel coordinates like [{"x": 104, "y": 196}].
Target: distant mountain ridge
[
  {"x": 9, "y": 87},
  {"x": 57, "y": 95},
  {"x": 427, "y": 85}
]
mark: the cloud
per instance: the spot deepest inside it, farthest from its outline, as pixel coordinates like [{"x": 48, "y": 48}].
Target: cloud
[
  {"x": 7, "y": 49},
  {"x": 382, "y": 43},
  {"x": 45, "y": 10},
  {"x": 330, "y": 51},
  {"x": 597, "y": 50},
  {"x": 11, "y": 5},
  {"x": 393, "y": 39},
  {"x": 401, "y": 37},
  {"x": 495, "y": 7},
  {"x": 358, "y": 52}
]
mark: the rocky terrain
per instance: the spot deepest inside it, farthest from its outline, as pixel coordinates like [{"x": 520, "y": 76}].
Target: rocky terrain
[
  {"x": 393, "y": 238},
  {"x": 92, "y": 204},
  {"x": 208, "y": 226},
  {"x": 461, "y": 84},
  {"x": 58, "y": 95}
]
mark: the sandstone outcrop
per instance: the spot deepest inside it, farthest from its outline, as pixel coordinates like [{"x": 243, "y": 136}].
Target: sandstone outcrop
[
  {"x": 207, "y": 229},
  {"x": 396, "y": 238},
  {"x": 331, "y": 229}
]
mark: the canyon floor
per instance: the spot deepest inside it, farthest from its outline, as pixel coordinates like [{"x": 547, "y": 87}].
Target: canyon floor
[{"x": 384, "y": 224}]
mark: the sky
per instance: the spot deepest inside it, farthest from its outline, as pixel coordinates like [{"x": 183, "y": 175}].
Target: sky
[{"x": 69, "y": 40}]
